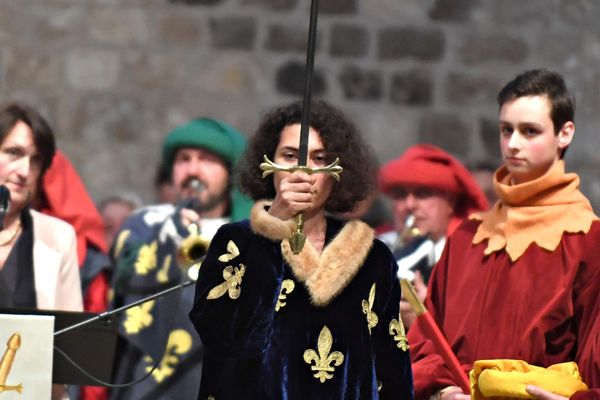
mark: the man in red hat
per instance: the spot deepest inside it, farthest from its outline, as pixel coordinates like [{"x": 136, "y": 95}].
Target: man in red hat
[{"x": 431, "y": 193}]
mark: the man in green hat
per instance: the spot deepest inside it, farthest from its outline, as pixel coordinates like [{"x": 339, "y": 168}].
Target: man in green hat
[{"x": 153, "y": 250}]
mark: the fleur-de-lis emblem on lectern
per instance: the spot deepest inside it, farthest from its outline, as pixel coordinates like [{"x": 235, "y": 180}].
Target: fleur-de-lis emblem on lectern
[
  {"x": 323, "y": 360},
  {"x": 233, "y": 281},
  {"x": 13, "y": 344}
]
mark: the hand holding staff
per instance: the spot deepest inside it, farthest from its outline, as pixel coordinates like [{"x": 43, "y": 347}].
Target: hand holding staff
[{"x": 434, "y": 333}]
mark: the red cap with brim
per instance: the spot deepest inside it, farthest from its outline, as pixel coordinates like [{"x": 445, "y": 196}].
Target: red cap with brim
[{"x": 430, "y": 166}]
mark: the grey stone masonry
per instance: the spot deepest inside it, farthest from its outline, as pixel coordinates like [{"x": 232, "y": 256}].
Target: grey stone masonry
[
  {"x": 349, "y": 40},
  {"x": 412, "y": 88},
  {"x": 422, "y": 44},
  {"x": 114, "y": 76}
]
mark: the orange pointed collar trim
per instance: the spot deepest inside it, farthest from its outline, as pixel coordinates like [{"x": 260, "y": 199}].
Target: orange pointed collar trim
[{"x": 538, "y": 211}]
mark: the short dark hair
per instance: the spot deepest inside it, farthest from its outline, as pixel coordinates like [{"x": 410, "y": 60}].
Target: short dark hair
[
  {"x": 539, "y": 82},
  {"x": 43, "y": 137},
  {"x": 340, "y": 138}
]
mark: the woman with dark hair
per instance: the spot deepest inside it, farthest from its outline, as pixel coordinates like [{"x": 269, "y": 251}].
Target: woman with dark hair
[
  {"x": 323, "y": 324},
  {"x": 38, "y": 259}
]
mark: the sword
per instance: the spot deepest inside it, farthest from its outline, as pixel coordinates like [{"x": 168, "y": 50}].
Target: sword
[{"x": 298, "y": 237}]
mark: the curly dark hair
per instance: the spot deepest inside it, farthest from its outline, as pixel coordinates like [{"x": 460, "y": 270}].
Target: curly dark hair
[{"x": 340, "y": 138}]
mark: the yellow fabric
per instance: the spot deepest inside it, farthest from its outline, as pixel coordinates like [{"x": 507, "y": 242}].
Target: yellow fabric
[
  {"x": 539, "y": 211},
  {"x": 509, "y": 378}
]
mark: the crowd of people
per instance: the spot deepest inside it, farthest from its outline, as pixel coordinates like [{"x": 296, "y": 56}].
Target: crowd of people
[{"x": 503, "y": 260}]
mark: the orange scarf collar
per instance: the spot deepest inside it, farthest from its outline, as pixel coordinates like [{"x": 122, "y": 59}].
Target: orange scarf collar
[{"x": 539, "y": 211}]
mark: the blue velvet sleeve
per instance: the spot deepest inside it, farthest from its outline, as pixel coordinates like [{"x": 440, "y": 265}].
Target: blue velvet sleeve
[
  {"x": 392, "y": 357},
  {"x": 236, "y": 292}
]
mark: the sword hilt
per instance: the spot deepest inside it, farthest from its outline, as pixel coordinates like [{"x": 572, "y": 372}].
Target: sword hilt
[
  {"x": 298, "y": 237},
  {"x": 269, "y": 167}
]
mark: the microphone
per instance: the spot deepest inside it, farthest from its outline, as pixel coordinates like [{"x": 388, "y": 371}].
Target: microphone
[
  {"x": 193, "y": 202},
  {"x": 4, "y": 203}
]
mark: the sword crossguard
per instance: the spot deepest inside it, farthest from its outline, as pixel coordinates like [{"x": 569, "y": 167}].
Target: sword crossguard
[
  {"x": 269, "y": 167},
  {"x": 298, "y": 237}
]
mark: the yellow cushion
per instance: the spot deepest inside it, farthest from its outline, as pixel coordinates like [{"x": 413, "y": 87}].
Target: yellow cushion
[{"x": 509, "y": 378}]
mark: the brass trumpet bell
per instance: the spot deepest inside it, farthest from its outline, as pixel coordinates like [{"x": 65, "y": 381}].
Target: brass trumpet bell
[{"x": 193, "y": 247}]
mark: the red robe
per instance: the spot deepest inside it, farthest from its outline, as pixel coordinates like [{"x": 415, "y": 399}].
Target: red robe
[{"x": 543, "y": 308}]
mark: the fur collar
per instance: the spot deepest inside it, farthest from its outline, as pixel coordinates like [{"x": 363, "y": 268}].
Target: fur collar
[{"x": 324, "y": 275}]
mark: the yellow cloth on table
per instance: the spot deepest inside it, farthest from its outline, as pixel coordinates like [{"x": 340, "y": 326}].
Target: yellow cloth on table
[{"x": 509, "y": 378}]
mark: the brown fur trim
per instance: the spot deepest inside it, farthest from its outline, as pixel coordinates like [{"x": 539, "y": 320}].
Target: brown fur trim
[
  {"x": 267, "y": 225},
  {"x": 327, "y": 275}
]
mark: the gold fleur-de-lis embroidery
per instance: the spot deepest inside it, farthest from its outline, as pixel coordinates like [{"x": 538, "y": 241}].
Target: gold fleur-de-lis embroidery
[
  {"x": 233, "y": 281},
  {"x": 179, "y": 343},
  {"x": 287, "y": 287},
  {"x": 232, "y": 252},
  {"x": 162, "y": 276},
  {"x": 323, "y": 359},
  {"x": 367, "y": 308},
  {"x": 146, "y": 260},
  {"x": 399, "y": 333},
  {"x": 138, "y": 317}
]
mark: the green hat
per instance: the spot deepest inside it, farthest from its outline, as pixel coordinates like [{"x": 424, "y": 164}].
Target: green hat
[
  {"x": 217, "y": 137},
  {"x": 209, "y": 134}
]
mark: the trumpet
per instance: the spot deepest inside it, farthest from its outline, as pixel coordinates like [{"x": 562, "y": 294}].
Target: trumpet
[
  {"x": 410, "y": 231},
  {"x": 194, "y": 246}
]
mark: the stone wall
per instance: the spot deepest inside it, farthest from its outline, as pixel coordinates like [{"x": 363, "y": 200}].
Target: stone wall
[{"x": 114, "y": 76}]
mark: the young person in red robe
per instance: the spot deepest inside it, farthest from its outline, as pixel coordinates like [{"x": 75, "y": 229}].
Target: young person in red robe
[{"x": 520, "y": 281}]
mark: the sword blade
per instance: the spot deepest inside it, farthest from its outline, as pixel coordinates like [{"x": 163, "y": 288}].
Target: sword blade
[{"x": 310, "y": 61}]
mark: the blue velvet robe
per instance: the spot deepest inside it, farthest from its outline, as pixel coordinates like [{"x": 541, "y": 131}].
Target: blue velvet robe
[{"x": 263, "y": 339}]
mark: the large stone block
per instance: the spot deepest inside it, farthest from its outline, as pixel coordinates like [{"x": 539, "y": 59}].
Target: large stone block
[
  {"x": 453, "y": 10},
  {"x": 93, "y": 69},
  {"x": 447, "y": 131},
  {"x": 349, "y": 40},
  {"x": 361, "y": 84},
  {"x": 30, "y": 68},
  {"x": 180, "y": 30},
  {"x": 463, "y": 88},
  {"x": 148, "y": 71},
  {"x": 392, "y": 11},
  {"x": 580, "y": 13},
  {"x": 59, "y": 23},
  {"x": 292, "y": 38},
  {"x": 411, "y": 42},
  {"x": 119, "y": 26},
  {"x": 224, "y": 74},
  {"x": 338, "y": 6},
  {"x": 412, "y": 88},
  {"x": 529, "y": 14},
  {"x": 198, "y": 2},
  {"x": 481, "y": 48},
  {"x": 233, "y": 32},
  {"x": 277, "y": 5},
  {"x": 290, "y": 79}
]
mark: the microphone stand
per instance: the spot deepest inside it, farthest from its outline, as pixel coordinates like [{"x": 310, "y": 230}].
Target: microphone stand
[{"x": 109, "y": 314}]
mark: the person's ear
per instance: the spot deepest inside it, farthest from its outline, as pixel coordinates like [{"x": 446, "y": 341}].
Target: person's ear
[{"x": 565, "y": 135}]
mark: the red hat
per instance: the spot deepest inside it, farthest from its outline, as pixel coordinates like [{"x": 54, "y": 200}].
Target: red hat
[{"x": 430, "y": 166}]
